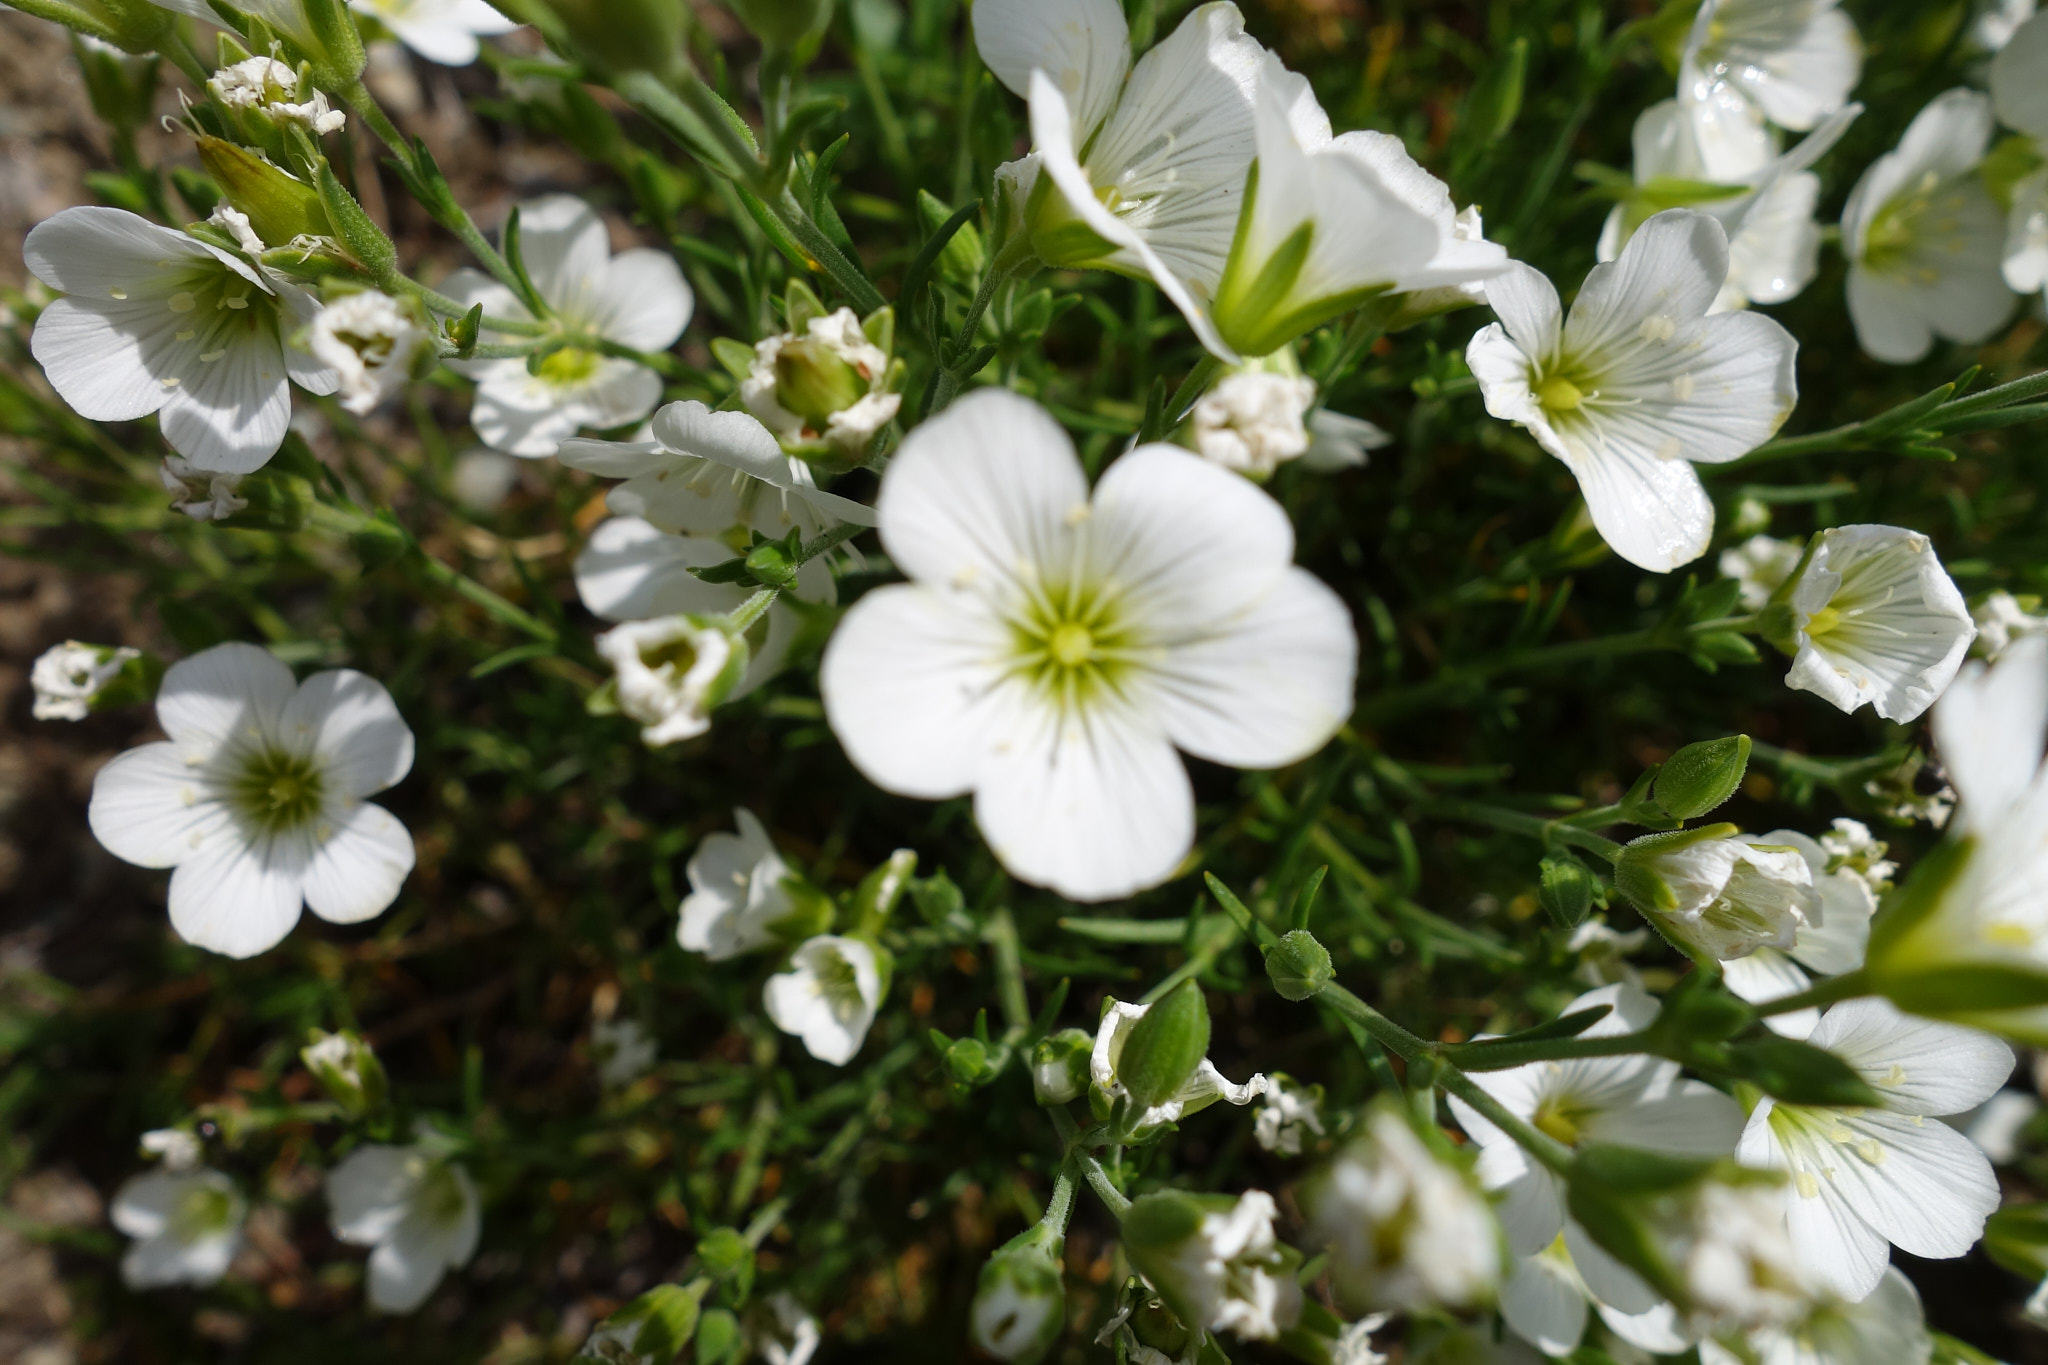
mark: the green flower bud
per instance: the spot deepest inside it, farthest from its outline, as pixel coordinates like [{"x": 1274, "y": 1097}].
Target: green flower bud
[
  {"x": 1020, "y": 1302},
  {"x": 1165, "y": 1046},
  {"x": 279, "y": 206},
  {"x": 720, "y": 1340},
  {"x": 726, "y": 1255},
  {"x": 1701, "y": 776},
  {"x": 967, "y": 1060},
  {"x": 347, "y": 1069},
  {"x": 878, "y": 892},
  {"x": 1298, "y": 966},
  {"x": 122, "y": 88},
  {"x": 1796, "y": 1072},
  {"x": 1059, "y": 1066},
  {"x": 1567, "y": 889},
  {"x": 650, "y": 1330},
  {"x": 277, "y": 501},
  {"x": 783, "y": 23}
]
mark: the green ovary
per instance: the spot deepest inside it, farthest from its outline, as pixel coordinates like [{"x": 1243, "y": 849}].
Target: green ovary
[
  {"x": 202, "y": 1210},
  {"x": 278, "y": 791},
  {"x": 569, "y": 366},
  {"x": 1070, "y": 643}
]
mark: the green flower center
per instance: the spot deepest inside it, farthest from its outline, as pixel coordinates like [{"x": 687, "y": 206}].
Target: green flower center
[
  {"x": 1823, "y": 621},
  {"x": 1560, "y": 395},
  {"x": 676, "y": 656},
  {"x": 202, "y": 1210},
  {"x": 278, "y": 791},
  {"x": 440, "y": 1195},
  {"x": 1072, "y": 643},
  {"x": 568, "y": 366},
  {"x": 1561, "y": 1119}
]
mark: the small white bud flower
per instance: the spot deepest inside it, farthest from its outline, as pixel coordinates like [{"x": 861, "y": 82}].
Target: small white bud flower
[
  {"x": 671, "y": 672},
  {"x": 1760, "y": 565},
  {"x": 266, "y": 84},
  {"x": 623, "y": 1049},
  {"x": 370, "y": 342},
  {"x": 178, "y": 1149},
  {"x": 201, "y": 494},
  {"x": 1720, "y": 895},
  {"x": 825, "y": 385},
  {"x": 2002, "y": 618},
  {"x": 1852, "y": 849},
  {"x": 68, "y": 676},
  {"x": 1253, "y": 420}
]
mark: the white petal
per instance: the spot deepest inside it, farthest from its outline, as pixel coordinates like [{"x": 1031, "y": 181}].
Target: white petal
[
  {"x": 1658, "y": 1331},
  {"x": 359, "y": 866},
  {"x": 1083, "y": 46},
  {"x": 370, "y": 1190},
  {"x": 1990, "y": 728},
  {"x": 1919, "y": 1066},
  {"x": 1719, "y": 388},
  {"x": 736, "y": 440},
  {"x": 93, "y": 251},
  {"x": 912, "y": 687},
  {"x": 231, "y": 691},
  {"x": 1931, "y": 1193},
  {"x": 1694, "y": 1119},
  {"x": 1091, "y": 802},
  {"x": 1652, "y": 512},
  {"x": 987, "y": 488},
  {"x": 149, "y": 807},
  {"x": 1767, "y": 975},
  {"x": 237, "y": 898},
  {"x": 350, "y": 721},
  {"x": 1192, "y": 546},
  {"x": 1531, "y": 1208},
  {"x": 615, "y": 459},
  {"x": 2019, "y": 80},
  {"x": 518, "y": 414},
  {"x": 633, "y": 571},
  {"x": 1543, "y": 1304},
  {"x": 1888, "y": 320},
  {"x": 565, "y": 248},
  {"x": 90, "y": 354},
  {"x": 1527, "y": 305},
  {"x": 642, "y": 300},
  {"x": 470, "y": 287},
  {"x": 1607, "y": 1279},
  {"x": 1845, "y": 1254},
  {"x": 403, "y": 1274},
  {"x": 1776, "y": 251},
  {"x": 229, "y": 415},
  {"x": 620, "y": 393},
  {"x": 1670, "y": 270}
]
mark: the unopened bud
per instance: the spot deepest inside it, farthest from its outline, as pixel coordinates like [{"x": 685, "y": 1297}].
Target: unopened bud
[
  {"x": 1020, "y": 1303},
  {"x": 1298, "y": 966},
  {"x": 279, "y": 206},
  {"x": 1701, "y": 776},
  {"x": 621, "y": 36},
  {"x": 1165, "y": 1046},
  {"x": 1059, "y": 1066},
  {"x": 650, "y": 1330},
  {"x": 1566, "y": 890},
  {"x": 783, "y": 23},
  {"x": 347, "y": 1069}
]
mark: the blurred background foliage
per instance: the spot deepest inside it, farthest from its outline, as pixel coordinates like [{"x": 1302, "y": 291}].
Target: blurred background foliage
[{"x": 552, "y": 843}]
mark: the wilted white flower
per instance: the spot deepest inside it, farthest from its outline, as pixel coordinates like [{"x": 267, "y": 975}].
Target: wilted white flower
[
  {"x": 1851, "y": 849},
  {"x": 1215, "y": 1261},
  {"x": 1831, "y": 941},
  {"x": 257, "y": 798},
  {"x": 1353, "y": 1345},
  {"x": 266, "y": 84},
  {"x": 736, "y": 892},
  {"x": 444, "y": 31},
  {"x": 829, "y": 995},
  {"x": 1924, "y": 237},
  {"x": 791, "y": 1336},
  {"x": 1872, "y": 619},
  {"x": 823, "y": 386},
  {"x": 2002, "y": 618},
  {"x": 370, "y": 342},
  {"x": 1888, "y": 1326},
  {"x": 1760, "y": 566},
  {"x": 623, "y": 1048},
  {"x": 1288, "y": 1112},
  {"x": 155, "y": 321},
  {"x": 1639, "y": 382},
  {"x": 198, "y": 493},
  {"x": 1203, "y": 1088},
  {"x": 65, "y": 678},
  {"x": 702, "y": 472},
  {"x": 1402, "y": 1227},
  {"x": 671, "y": 671},
  {"x": 636, "y": 298},
  {"x": 1052, "y": 649},
  {"x": 1717, "y": 893},
  {"x": 179, "y": 1150},
  {"x": 417, "y": 1209},
  {"x": 1254, "y": 419},
  {"x": 187, "y": 1226},
  {"x": 1340, "y": 442},
  {"x": 1728, "y": 1246},
  {"x": 1865, "y": 1179}
]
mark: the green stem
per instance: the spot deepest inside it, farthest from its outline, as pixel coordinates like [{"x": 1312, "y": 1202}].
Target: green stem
[
  {"x": 1001, "y": 936},
  {"x": 1504, "y": 1054},
  {"x": 830, "y": 540},
  {"x": 1099, "y": 1181},
  {"x": 1521, "y": 822},
  {"x": 1847, "y": 986},
  {"x": 753, "y": 609},
  {"x": 1016, "y": 256},
  {"x": 477, "y": 595}
]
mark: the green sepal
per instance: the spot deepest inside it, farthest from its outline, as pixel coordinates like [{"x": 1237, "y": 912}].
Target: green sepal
[
  {"x": 1165, "y": 1046},
  {"x": 280, "y": 207},
  {"x": 1566, "y": 889},
  {"x": 354, "y": 228},
  {"x": 1800, "y": 1073},
  {"x": 1701, "y": 776}
]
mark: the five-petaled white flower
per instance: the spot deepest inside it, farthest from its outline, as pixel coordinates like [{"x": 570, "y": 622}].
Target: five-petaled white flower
[
  {"x": 1639, "y": 382},
  {"x": 1204, "y": 1086},
  {"x": 257, "y": 798},
  {"x": 1924, "y": 237},
  {"x": 702, "y": 472},
  {"x": 370, "y": 343},
  {"x": 1107, "y": 185},
  {"x": 1888, "y": 1326},
  {"x": 1793, "y": 61},
  {"x": 187, "y": 1226},
  {"x": 1630, "y": 1101},
  {"x": 1873, "y": 620},
  {"x": 444, "y": 31},
  {"x": 66, "y": 678},
  {"x": 736, "y": 892},
  {"x": 829, "y": 995},
  {"x": 155, "y": 321},
  {"x": 1051, "y": 651},
  {"x": 1831, "y": 940},
  {"x": 637, "y": 299},
  {"x": 416, "y": 1208},
  {"x": 1865, "y": 1178}
]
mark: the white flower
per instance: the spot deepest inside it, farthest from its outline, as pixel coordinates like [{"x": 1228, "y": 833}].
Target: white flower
[
  {"x": 198, "y": 493},
  {"x": 66, "y": 677},
  {"x": 1202, "y": 1089},
  {"x": 844, "y": 396},
  {"x": 1253, "y": 420},
  {"x": 736, "y": 892},
  {"x": 1325, "y": 227},
  {"x": 1340, "y": 442},
  {"x": 1760, "y": 566},
  {"x": 1831, "y": 941},
  {"x": 1924, "y": 237},
  {"x": 1795, "y": 60},
  {"x": 370, "y": 343},
  {"x": 1403, "y": 1228},
  {"x": 1888, "y": 1326},
  {"x": 1717, "y": 893},
  {"x": 418, "y": 1210},
  {"x": 1544, "y": 1301},
  {"x": 1874, "y": 620},
  {"x": 624, "y": 1050},
  {"x": 179, "y": 1150},
  {"x": 1639, "y": 382},
  {"x": 1630, "y": 1101},
  {"x": 1998, "y": 20},
  {"x": 1050, "y": 652},
  {"x": 701, "y": 472},
  {"x": 2001, "y": 619},
  {"x": 793, "y": 1337},
  {"x": 671, "y": 671},
  {"x": 632, "y": 571},
  {"x": 1603, "y": 953},
  {"x": 266, "y": 84},
  {"x": 154, "y": 321},
  {"x": 257, "y": 798},
  {"x": 1729, "y": 1248},
  {"x": 1289, "y": 1111},
  {"x": 828, "y": 997},
  {"x": 1353, "y": 1345},
  {"x": 1140, "y": 203},
  {"x": 1865, "y": 1178},
  {"x": 444, "y": 31},
  {"x": 1230, "y": 1273},
  {"x": 636, "y": 298},
  {"x": 187, "y": 1226},
  {"x": 1852, "y": 850}
]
